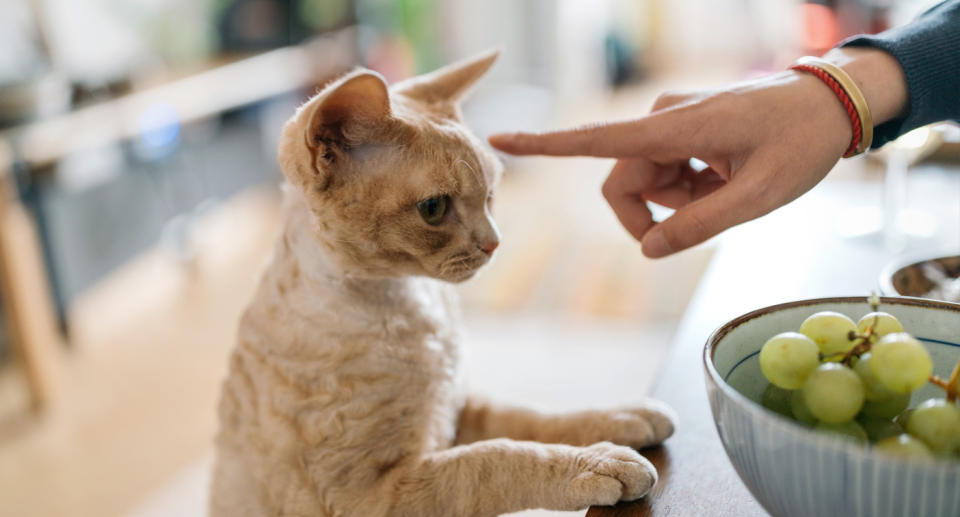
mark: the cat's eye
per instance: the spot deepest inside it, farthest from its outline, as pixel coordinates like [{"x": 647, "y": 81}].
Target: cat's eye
[{"x": 432, "y": 210}]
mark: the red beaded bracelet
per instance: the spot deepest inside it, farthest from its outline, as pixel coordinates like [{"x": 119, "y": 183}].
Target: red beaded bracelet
[{"x": 844, "y": 99}]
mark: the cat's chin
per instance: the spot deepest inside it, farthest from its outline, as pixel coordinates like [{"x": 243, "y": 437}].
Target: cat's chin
[
  {"x": 460, "y": 267},
  {"x": 456, "y": 277}
]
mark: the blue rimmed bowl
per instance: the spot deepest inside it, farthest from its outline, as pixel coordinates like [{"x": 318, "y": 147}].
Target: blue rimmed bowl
[{"x": 794, "y": 471}]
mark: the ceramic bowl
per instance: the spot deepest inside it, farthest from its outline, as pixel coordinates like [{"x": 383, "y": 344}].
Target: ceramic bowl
[
  {"x": 910, "y": 277},
  {"x": 794, "y": 471}
]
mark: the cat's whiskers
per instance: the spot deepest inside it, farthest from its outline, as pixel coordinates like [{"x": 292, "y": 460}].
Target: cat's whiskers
[
  {"x": 345, "y": 240},
  {"x": 457, "y": 258},
  {"x": 459, "y": 262},
  {"x": 476, "y": 175}
]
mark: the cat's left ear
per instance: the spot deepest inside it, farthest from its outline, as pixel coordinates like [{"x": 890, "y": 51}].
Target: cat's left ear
[{"x": 447, "y": 86}]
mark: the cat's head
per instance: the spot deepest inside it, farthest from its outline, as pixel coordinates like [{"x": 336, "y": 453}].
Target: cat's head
[{"x": 396, "y": 185}]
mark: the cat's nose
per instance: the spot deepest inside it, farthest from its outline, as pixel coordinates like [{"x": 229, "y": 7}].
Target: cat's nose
[{"x": 489, "y": 246}]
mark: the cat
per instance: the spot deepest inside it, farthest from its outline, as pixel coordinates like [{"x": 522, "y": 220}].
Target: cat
[{"x": 343, "y": 396}]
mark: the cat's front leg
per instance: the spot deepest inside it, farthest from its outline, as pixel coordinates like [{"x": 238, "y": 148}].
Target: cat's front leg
[
  {"x": 639, "y": 426},
  {"x": 493, "y": 477}
]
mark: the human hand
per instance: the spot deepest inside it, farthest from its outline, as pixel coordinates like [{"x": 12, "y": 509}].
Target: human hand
[{"x": 765, "y": 142}]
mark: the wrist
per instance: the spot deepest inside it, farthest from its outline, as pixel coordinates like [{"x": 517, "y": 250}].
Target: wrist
[
  {"x": 879, "y": 77},
  {"x": 828, "y": 118}
]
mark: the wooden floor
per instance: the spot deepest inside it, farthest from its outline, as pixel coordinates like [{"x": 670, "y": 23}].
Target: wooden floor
[{"x": 141, "y": 377}]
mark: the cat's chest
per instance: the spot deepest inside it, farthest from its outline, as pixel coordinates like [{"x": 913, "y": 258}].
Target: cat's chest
[
  {"x": 372, "y": 362},
  {"x": 425, "y": 331},
  {"x": 412, "y": 329}
]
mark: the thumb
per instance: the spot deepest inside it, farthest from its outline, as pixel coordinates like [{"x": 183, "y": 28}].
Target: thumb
[{"x": 737, "y": 202}]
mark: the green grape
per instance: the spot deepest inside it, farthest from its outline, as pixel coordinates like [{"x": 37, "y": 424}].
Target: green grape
[
  {"x": 777, "y": 400},
  {"x": 878, "y": 428},
  {"x": 886, "y": 324},
  {"x": 830, "y": 331},
  {"x": 900, "y": 363},
  {"x": 787, "y": 358},
  {"x": 874, "y": 390},
  {"x": 833, "y": 393},
  {"x": 848, "y": 430},
  {"x": 889, "y": 408},
  {"x": 903, "y": 446},
  {"x": 800, "y": 410},
  {"x": 936, "y": 422}
]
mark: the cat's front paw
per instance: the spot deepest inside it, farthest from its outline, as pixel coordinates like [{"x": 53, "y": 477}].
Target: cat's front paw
[
  {"x": 607, "y": 473},
  {"x": 642, "y": 426}
]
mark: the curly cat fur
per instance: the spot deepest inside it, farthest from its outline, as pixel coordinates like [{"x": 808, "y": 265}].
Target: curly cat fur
[{"x": 343, "y": 396}]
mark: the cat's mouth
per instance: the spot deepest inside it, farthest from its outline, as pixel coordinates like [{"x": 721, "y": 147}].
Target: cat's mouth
[{"x": 462, "y": 266}]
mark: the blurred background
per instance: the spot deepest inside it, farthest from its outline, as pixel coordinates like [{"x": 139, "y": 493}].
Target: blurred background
[{"x": 139, "y": 199}]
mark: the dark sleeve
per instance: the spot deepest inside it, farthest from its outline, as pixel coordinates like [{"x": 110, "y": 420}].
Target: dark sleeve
[{"x": 928, "y": 49}]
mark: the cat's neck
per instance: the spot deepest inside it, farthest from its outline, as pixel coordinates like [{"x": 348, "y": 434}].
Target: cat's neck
[
  {"x": 306, "y": 304},
  {"x": 305, "y": 277},
  {"x": 300, "y": 250}
]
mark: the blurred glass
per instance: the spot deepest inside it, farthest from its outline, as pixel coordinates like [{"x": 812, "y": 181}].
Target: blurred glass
[{"x": 901, "y": 224}]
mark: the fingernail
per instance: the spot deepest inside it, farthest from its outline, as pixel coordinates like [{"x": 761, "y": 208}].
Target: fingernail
[{"x": 655, "y": 243}]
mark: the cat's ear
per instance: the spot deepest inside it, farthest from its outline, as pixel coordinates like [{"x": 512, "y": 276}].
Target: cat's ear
[
  {"x": 346, "y": 114},
  {"x": 347, "y": 110},
  {"x": 448, "y": 85}
]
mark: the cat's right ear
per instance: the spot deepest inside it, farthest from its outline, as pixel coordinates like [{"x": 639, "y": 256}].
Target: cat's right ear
[
  {"x": 344, "y": 115},
  {"x": 348, "y": 109}
]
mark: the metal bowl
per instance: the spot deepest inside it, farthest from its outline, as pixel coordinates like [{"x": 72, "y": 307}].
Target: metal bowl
[{"x": 923, "y": 277}]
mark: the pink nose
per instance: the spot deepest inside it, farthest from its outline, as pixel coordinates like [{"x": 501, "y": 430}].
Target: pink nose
[{"x": 488, "y": 247}]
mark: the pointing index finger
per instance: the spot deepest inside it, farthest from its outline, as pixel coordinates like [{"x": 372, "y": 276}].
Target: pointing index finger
[{"x": 605, "y": 140}]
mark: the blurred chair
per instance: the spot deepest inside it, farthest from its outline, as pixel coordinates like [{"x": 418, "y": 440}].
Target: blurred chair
[{"x": 24, "y": 292}]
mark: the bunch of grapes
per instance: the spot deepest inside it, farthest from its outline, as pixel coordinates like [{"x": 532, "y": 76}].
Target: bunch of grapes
[{"x": 856, "y": 380}]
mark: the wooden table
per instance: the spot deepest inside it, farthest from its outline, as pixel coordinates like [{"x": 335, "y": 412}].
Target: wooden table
[{"x": 793, "y": 254}]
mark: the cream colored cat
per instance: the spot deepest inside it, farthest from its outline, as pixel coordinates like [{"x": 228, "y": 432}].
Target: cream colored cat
[{"x": 343, "y": 396}]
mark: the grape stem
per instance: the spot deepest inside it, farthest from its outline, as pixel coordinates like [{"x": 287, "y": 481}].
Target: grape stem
[
  {"x": 951, "y": 386},
  {"x": 863, "y": 346}
]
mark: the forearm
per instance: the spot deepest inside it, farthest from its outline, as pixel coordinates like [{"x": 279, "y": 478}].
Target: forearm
[
  {"x": 879, "y": 77},
  {"x": 488, "y": 422},
  {"x": 639, "y": 426},
  {"x": 494, "y": 477},
  {"x": 482, "y": 420},
  {"x": 928, "y": 52}
]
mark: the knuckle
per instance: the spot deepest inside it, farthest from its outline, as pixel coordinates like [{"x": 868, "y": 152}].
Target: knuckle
[
  {"x": 674, "y": 241},
  {"x": 665, "y": 100},
  {"x": 671, "y": 98},
  {"x": 594, "y": 138},
  {"x": 724, "y": 104},
  {"x": 692, "y": 230},
  {"x": 699, "y": 230},
  {"x": 608, "y": 189}
]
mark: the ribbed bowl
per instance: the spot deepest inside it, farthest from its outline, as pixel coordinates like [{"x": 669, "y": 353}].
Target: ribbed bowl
[{"x": 794, "y": 471}]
